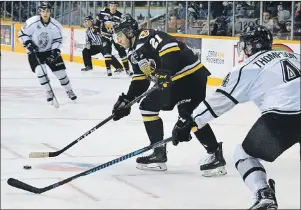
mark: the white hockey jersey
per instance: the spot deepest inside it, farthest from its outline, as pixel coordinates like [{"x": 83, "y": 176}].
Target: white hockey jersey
[
  {"x": 45, "y": 36},
  {"x": 271, "y": 79}
]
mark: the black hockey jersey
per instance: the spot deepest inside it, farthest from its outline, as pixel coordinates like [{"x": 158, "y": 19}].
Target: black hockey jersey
[
  {"x": 166, "y": 52},
  {"x": 105, "y": 20}
]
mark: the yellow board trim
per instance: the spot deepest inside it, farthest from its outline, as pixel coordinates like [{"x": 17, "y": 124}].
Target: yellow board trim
[
  {"x": 150, "y": 118},
  {"x": 139, "y": 78},
  {"x": 6, "y": 47},
  {"x": 172, "y": 49}
]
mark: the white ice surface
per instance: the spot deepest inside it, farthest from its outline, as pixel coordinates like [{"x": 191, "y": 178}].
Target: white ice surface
[{"x": 29, "y": 124}]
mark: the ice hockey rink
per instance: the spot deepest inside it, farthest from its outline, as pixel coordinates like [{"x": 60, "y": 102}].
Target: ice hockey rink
[{"x": 29, "y": 124}]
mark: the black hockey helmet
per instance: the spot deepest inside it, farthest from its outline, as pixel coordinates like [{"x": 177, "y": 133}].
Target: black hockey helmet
[
  {"x": 254, "y": 39},
  {"x": 128, "y": 26},
  {"x": 113, "y": 3},
  {"x": 44, "y": 5},
  {"x": 89, "y": 17}
]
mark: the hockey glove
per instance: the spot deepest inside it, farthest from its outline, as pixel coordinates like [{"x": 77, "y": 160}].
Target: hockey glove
[
  {"x": 54, "y": 55},
  {"x": 181, "y": 130},
  {"x": 119, "y": 109},
  {"x": 31, "y": 46},
  {"x": 163, "y": 78}
]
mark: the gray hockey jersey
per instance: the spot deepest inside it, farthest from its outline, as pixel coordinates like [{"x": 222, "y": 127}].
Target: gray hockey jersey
[
  {"x": 46, "y": 36},
  {"x": 271, "y": 79}
]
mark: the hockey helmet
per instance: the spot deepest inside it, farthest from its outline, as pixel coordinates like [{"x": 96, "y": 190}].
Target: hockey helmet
[
  {"x": 254, "y": 39},
  {"x": 128, "y": 26},
  {"x": 113, "y": 3},
  {"x": 45, "y": 5},
  {"x": 89, "y": 17}
]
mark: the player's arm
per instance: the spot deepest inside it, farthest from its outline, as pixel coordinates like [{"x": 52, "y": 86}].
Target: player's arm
[
  {"x": 25, "y": 34},
  {"x": 232, "y": 91},
  {"x": 139, "y": 83},
  {"x": 98, "y": 23},
  {"x": 57, "y": 36}
]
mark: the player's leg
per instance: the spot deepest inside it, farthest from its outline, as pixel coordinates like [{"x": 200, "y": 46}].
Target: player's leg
[
  {"x": 41, "y": 73},
  {"x": 87, "y": 53},
  {"x": 214, "y": 163},
  {"x": 123, "y": 57},
  {"x": 150, "y": 107},
  {"x": 107, "y": 53},
  {"x": 116, "y": 64},
  {"x": 59, "y": 70},
  {"x": 269, "y": 137}
]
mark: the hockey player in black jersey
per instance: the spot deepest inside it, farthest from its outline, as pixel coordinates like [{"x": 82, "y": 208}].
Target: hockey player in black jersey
[
  {"x": 158, "y": 57},
  {"x": 104, "y": 24}
]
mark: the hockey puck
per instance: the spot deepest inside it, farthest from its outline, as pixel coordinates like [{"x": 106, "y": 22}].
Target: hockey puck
[{"x": 27, "y": 167}]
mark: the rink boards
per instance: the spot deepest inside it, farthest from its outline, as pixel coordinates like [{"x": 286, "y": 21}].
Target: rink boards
[{"x": 217, "y": 53}]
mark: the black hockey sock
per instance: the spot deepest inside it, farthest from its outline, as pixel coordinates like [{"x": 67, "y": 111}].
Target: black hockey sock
[
  {"x": 115, "y": 63},
  {"x": 108, "y": 61},
  {"x": 154, "y": 128},
  {"x": 207, "y": 138},
  {"x": 125, "y": 63}
]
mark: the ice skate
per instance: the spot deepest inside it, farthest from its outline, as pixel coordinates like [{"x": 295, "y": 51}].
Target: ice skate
[
  {"x": 109, "y": 72},
  {"x": 118, "y": 71},
  {"x": 71, "y": 95},
  {"x": 214, "y": 164},
  {"x": 87, "y": 68},
  {"x": 153, "y": 162},
  {"x": 128, "y": 72},
  {"x": 266, "y": 198}
]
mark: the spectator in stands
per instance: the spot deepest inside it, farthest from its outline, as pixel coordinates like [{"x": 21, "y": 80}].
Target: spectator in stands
[
  {"x": 269, "y": 22},
  {"x": 283, "y": 15},
  {"x": 285, "y": 32}
]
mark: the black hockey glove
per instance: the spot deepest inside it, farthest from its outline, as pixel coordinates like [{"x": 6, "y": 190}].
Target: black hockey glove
[
  {"x": 181, "y": 130},
  {"x": 119, "y": 109},
  {"x": 31, "y": 46},
  {"x": 163, "y": 78},
  {"x": 54, "y": 55}
]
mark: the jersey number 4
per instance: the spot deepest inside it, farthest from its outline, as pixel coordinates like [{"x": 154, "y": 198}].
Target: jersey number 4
[
  {"x": 155, "y": 41},
  {"x": 290, "y": 71}
]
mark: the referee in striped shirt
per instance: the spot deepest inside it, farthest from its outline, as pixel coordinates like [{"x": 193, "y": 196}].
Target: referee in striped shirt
[{"x": 94, "y": 46}]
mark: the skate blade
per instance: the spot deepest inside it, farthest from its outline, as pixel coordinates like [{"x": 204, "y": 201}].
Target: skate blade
[
  {"x": 53, "y": 103},
  {"x": 220, "y": 171},
  {"x": 152, "y": 167}
]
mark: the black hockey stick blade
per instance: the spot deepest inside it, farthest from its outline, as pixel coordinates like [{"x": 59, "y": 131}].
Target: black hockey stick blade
[
  {"x": 57, "y": 153},
  {"x": 23, "y": 186}
]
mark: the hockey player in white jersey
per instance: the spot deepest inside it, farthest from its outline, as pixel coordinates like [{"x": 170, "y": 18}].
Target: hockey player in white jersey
[
  {"x": 42, "y": 37},
  {"x": 271, "y": 79}
]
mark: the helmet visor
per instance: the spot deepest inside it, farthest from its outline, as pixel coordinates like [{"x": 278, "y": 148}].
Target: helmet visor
[{"x": 240, "y": 47}]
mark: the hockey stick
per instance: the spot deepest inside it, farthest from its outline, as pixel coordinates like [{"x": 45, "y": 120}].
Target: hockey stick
[
  {"x": 56, "y": 104},
  {"x": 57, "y": 153},
  {"x": 23, "y": 186}
]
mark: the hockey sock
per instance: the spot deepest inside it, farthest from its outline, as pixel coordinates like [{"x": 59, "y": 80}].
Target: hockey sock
[
  {"x": 250, "y": 169},
  {"x": 207, "y": 138},
  {"x": 63, "y": 78},
  {"x": 108, "y": 61},
  {"x": 42, "y": 77},
  {"x": 154, "y": 127},
  {"x": 116, "y": 63},
  {"x": 125, "y": 63}
]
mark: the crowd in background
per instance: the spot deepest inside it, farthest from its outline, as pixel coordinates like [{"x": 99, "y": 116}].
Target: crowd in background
[{"x": 218, "y": 18}]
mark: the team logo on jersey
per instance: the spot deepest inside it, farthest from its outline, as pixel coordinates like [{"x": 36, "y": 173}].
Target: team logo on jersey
[
  {"x": 226, "y": 80},
  {"x": 143, "y": 34},
  {"x": 43, "y": 40},
  {"x": 109, "y": 27},
  {"x": 133, "y": 58}
]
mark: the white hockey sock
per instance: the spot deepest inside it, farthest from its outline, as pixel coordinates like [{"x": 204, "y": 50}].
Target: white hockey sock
[
  {"x": 253, "y": 174},
  {"x": 250, "y": 169},
  {"x": 42, "y": 77},
  {"x": 63, "y": 78}
]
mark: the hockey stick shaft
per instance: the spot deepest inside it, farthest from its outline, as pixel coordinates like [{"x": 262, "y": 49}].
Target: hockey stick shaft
[
  {"x": 39, "y": 62},
  {"x": 56, "y": 153},
  {"x": 21, "y": 185}
]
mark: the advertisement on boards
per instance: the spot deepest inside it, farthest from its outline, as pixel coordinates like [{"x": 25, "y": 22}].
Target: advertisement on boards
[
  {"x": 217, "y": 56},
  {"x": 6, "y": 34}
]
